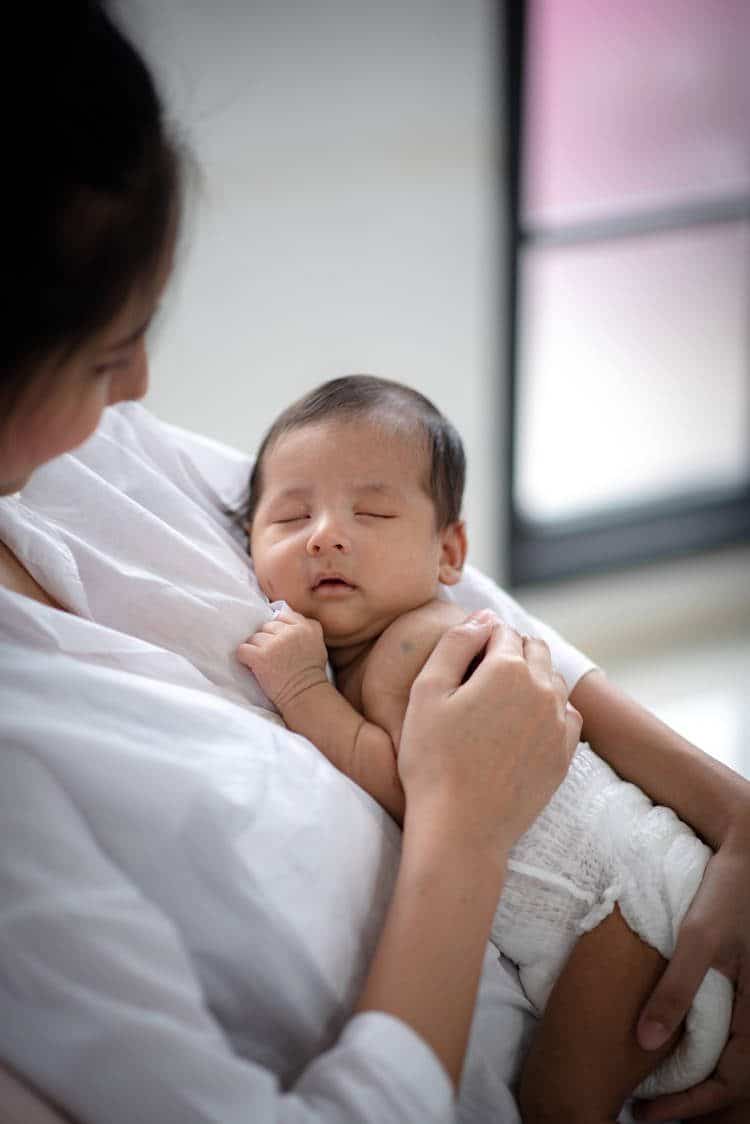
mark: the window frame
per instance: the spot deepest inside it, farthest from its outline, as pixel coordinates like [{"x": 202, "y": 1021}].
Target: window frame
[{"x": 626, "y": 536}]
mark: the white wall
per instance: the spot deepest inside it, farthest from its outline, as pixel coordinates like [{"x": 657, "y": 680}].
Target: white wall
[{"x": 346, "y": 218}]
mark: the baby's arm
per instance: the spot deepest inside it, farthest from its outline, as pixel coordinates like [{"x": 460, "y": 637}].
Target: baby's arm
[
  {"x": 288, "y": 657},
  {"x": 715, "y": 931},
  {"x": 644, "y": 750},
  {"x": 584, "y": 1060}
]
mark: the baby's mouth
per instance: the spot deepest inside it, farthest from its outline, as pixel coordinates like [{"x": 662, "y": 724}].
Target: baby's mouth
[{"x": 332, "y": 582}]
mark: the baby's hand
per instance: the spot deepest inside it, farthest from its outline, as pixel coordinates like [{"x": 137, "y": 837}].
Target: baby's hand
[{"x": 287, "y": 656}]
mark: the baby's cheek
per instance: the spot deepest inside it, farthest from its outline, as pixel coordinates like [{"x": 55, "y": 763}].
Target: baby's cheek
[
  {"x": 269, "y": 563},
  {"x": 262, "y": 578},
  {"x": 279, "y": 584}
]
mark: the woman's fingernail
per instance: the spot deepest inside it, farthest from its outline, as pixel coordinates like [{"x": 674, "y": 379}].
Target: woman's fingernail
[
  {"x": 652, "y": 1034},
  {"x": 480, "y": 618}
]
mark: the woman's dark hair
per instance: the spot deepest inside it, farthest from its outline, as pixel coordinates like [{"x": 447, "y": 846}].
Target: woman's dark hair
[
  {"x": 356, "y": 396},
  {"x": 91, "y": 187}
]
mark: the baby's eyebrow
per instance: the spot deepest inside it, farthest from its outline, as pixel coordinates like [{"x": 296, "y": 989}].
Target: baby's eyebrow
[
  {"x": 293, "y": 493},
  {"x": 364, "y": 487},
  {"x": 376, "y": 487}
]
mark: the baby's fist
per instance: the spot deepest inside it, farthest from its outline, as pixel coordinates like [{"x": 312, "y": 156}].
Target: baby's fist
[{"x": 287, "y": 656}]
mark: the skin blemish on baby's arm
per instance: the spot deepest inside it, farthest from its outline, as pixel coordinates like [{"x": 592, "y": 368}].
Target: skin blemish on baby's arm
[{"x": 407, "y": 646}]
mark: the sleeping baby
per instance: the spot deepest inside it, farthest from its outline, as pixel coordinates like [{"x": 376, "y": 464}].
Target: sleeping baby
[{"x": 354, "y": 522}]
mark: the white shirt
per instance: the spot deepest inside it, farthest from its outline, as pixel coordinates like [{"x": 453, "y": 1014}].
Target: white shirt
[{"x": 189, "y": 893}]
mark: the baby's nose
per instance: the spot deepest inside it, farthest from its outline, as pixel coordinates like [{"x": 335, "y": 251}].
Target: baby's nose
[{"x": 327, "y": 536}]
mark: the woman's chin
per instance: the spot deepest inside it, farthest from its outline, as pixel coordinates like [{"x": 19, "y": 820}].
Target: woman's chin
[{"x": 10, "y": 487}]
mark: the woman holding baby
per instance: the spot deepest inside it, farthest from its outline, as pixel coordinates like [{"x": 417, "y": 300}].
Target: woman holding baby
[{"x": 199, "y": 920}]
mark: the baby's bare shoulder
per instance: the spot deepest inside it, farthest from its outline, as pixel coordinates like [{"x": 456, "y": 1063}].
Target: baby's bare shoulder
[
  {"x": 404, "y": 646},
  {"x": 422, "y": 626},
  {"x": 396, "y": 660}
]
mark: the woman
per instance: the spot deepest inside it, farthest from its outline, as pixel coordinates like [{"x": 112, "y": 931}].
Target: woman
[
  {"x": 181, "y": 936},
  {"x": 102, "y": 1003}
]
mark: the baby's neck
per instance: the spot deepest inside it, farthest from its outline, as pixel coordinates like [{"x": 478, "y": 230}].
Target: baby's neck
[
  {"x": 348, "y": 656},
  {"x": 349, "y": 664}
]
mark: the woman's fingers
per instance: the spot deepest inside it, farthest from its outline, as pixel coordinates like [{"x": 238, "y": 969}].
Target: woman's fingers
[
  {"x": 504, "y": 640},
  {"x": 573, "y": 727},
  {"x": 487, "y": 751},
  {"x": 714, "y": 933},
  {"x": 507, "y": 644},
  {"x": 538, "y": 657},
  {"x": 673, "y": 995},
  {"x": 450, "y": 658},
  {"x": 698, "y": 1101}
]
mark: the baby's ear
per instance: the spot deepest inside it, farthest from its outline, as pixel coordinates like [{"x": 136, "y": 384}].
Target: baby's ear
[{"x": 453, "y": 546}]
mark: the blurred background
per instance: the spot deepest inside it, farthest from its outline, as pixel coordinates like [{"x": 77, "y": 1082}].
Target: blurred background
[{"x": 537, "y": 213}]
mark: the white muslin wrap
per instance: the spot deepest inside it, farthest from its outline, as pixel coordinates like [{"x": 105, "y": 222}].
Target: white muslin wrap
[{"x": 601, "y": 841}]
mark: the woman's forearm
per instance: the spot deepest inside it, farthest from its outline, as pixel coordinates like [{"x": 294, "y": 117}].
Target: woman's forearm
[
  {"x": 642, "y": 749},
  {"x": 427, "y": 964}
]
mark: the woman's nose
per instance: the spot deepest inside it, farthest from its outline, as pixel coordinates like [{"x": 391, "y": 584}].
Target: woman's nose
[
  {"x": 132, "y": 382},
  {"x": 327, "y": 535}
]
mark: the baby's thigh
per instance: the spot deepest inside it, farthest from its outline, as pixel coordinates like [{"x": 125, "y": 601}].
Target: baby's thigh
[{"x": 504, "y": 1023}]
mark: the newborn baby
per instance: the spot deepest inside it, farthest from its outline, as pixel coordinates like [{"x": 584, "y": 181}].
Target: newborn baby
[{"x": 354, "y": 522}]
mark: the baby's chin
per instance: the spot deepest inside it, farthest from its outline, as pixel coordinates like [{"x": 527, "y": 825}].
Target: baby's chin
[
  {"x": 341, "y": 628},
  {"x": 337, "y": 635}
]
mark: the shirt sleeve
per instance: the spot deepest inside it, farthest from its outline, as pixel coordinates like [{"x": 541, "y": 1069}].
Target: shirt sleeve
[
  {"x": 103, "y": 1013},
  {"x": 477, "y": 591}
]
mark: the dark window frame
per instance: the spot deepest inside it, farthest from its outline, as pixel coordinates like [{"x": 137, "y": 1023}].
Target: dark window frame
[{"x": 626, "y": 536}]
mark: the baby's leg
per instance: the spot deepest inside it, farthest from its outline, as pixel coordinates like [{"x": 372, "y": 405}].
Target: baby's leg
[{"x": 584, "y": 1060}]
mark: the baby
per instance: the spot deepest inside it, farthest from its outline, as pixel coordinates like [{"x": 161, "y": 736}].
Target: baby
[{"x": 354, "y": 520}]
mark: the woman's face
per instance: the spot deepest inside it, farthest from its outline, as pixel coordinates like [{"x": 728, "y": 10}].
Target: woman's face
[{"x": 64, "y": 401}]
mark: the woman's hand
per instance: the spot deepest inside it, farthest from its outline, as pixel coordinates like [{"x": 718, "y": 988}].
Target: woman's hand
[
  {"x": 478, "y": 760},
  {"x": 287, "y": 656},
  {"x": 482, "y": 758},
  {"x": 715, "y": 933}
]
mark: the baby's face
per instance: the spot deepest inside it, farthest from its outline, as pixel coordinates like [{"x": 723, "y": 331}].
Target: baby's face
[{"x": 345, "y": 529}]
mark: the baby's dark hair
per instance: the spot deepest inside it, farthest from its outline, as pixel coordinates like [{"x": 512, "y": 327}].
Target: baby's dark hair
[
  {"x": 357, "y": 396},
  {"x": 92, "y": 188}
]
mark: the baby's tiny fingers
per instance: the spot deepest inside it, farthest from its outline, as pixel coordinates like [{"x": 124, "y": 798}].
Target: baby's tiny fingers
[
  {"x": 274, "y": 627},
  {"x": 260, "y": 639},
  {"x": 287, "y": 615}
]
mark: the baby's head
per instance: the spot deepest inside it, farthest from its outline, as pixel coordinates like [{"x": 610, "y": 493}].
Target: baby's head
[{"x": 354, "y": 506}]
